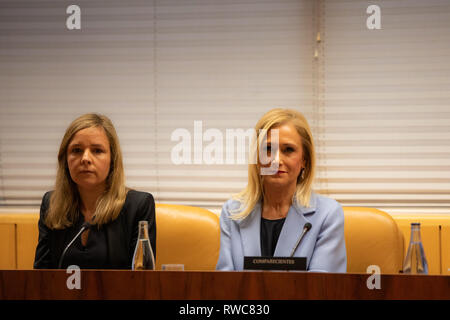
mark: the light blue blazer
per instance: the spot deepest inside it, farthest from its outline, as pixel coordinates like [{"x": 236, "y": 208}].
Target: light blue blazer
[{"x": 323, "y": 246}]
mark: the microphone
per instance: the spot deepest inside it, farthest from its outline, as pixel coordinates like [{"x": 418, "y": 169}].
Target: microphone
[
  {"x": 306, "y": 228},
  {"x": 85, "y": 226}
]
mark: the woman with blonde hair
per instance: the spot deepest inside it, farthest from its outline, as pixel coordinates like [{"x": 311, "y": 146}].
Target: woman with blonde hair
[
  {"x": 269, "y": 216},
  {"x": 90, "y": 191}
]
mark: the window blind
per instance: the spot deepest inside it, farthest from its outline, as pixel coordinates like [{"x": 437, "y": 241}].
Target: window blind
[
  {"x": 50, "y": 75},
  {"x": 225, "y": 64},
  {"x": 153, "y": 67},
  {"x": 377, "y": 100},
  {"x": 385, "y": 115}
]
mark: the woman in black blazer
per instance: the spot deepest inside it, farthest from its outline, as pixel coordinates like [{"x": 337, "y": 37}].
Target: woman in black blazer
[{"x": 90, "y": 190}]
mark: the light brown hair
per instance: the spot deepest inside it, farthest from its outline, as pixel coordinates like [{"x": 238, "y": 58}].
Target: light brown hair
[
  {"x": 64, "y": 206},
  {"x": 254, "y": 190}
]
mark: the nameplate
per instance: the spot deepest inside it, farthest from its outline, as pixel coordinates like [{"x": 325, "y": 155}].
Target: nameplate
[{"x": 275, "y": 263}]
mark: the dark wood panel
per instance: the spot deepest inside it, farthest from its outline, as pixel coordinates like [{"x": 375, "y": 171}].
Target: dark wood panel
[{"x": 214, "y": 285}]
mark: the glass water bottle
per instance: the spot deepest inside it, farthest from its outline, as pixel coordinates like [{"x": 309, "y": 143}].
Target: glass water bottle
[
  {"x": 143, "y": 258},
  {"x": 415, "y": 261}
]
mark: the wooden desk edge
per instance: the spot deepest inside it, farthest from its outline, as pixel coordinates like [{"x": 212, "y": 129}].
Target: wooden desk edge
[{"x": 217, "y": 285}]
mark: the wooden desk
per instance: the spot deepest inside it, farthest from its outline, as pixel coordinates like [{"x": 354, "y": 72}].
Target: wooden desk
[{"x": 214, "y": 285}]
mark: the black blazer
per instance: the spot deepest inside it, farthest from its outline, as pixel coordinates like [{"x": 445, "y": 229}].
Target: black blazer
[{"x": 121, "y": 234}]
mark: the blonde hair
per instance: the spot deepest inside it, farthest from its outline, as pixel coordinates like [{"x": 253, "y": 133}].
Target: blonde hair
[
  {"x": 64, "y": 208},
  {"x": 254, "y": 191}
]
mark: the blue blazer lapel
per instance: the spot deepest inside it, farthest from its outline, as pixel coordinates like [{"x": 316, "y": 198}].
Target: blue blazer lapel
[
  {"x": 292, "y": 228},
  {"x": 250, "y": 229}
]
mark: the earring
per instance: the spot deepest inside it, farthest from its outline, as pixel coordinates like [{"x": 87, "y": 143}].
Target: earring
[{"x": 302, "y": 173}]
